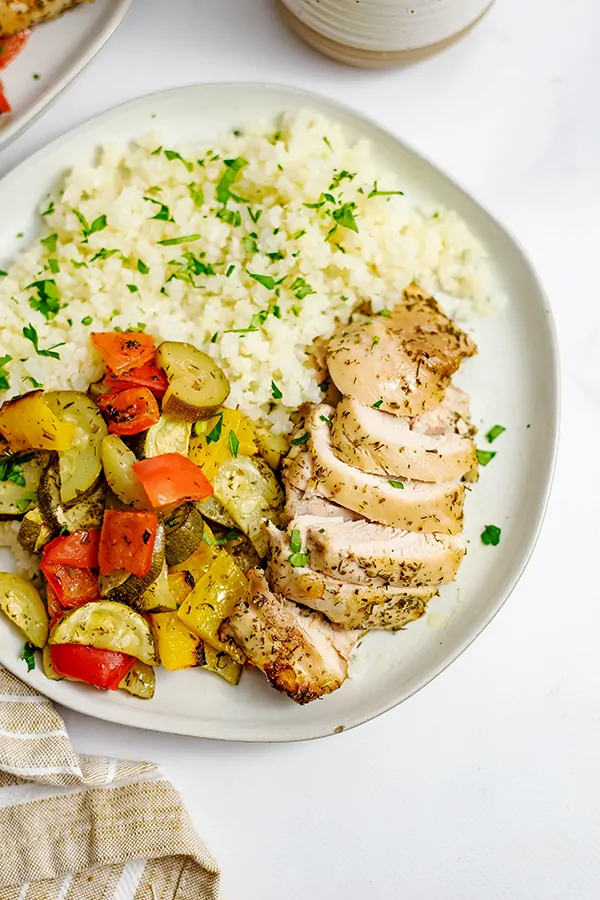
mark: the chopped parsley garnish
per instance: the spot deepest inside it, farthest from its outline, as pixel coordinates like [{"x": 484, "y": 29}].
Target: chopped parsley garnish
[
  {"x": 234, "y": 444},
  {"x": 50, "y": 242},
  {"x": 377, "y": 193},
  {"x": 103, "y": 253},
  {"x": 132, "y": 288},
  {"x": 10, "y": 468},
  {"x": 231, "y": 216},
  {"x": 267, "y": 281},
  {"x": 324, "y": 386},
  {"x": 276, "y": 310},
  {"x": 485, "y": 456},
  {"x": 295, "y": 541},
  {"x": 377, "y": 404},
  {"x": 344, "y": 216},
  {"x": 320, "y": 202},
  {"x": 142, "y": 268},
  {"x": 25, "y": 501},
  {"x": 295, "y": 310},
  {"x": 28, "y": 654},
  {"x": 397, "y": 484},
  {"x": 494, "y": 432},
  {"x": 2, "y": 272},
  {"x": 54, "y": 266},
  {"x": 375, "y": 342},
  {"x": 491, "y": 535},
  {"x": 47, "y": 301},
  {"x": 298, "y": 560},
  {"x": 302, "y": 439},
  {"x": 207, "y": 539},
  {"x": 31, "y": 334},
  {"x": 275, "y": 256},
  {"x": 196, "y": 193},
  {"x": 326, "y": 141},
  {"x": 275, "y": 392},
  {"x": 33, "y": 382},
  {"x": 4, "y": 382},
  {"x": 98, "y": 224},
  {"x": 229, "y": 271},
  {"x": 186, "y": 238},
  {"x": 299, "y": 234},
  {"x": 249, "y": 244},
  {"x": 338, "y": 177},
  {"x": 172, "y": 154},
  {"x": 254, "y": 216},
  {"x": 326, "y": 420},
  {"x": 301, "y": 288},
  {"x": 157, "y": 152},
  {"x": 164, "y": 213},
  {"x": 87, "y": 320},
  {"x": 214, "y": 435},
  {"x": 385, "y": 313},
  {"x": 50, "y": 210},
  {"x": 232, "y": 170}
]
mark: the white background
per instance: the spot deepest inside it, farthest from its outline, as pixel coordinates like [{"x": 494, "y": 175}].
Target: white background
[{"x": 486, "y": 785}]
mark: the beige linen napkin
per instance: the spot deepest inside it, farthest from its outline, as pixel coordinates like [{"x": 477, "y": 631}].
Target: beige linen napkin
[{"x": 85, "y": 827}]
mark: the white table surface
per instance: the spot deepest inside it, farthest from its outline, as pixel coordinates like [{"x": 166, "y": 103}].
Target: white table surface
[{"x": 486, "y": 784}]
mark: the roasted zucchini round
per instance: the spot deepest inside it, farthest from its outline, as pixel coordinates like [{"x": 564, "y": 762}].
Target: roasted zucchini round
[
  {"x": 107, "y": 625},
  {"x": 169, "y": 435},
  {"x": 140, "y": 681},
  {"x": 21, "y": 602},
  {"x": 117, "y": 461},
  {"x": 250, "y": 493},
  {"x": 197, "y": 386},
  {"x": 184, "y": 530},
  {"x": 86, "y": 514}
]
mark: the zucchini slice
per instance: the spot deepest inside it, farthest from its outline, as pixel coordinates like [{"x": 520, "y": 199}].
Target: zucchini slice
[
  {"x": 140, "y": 681},
  {"x": 184, "y": 531},
  {"x": 21, "y": 602},
  {"x": 117, "y": 462},
  {"x": 87, "y": 513},
  {"x": 108, "y": 626},
  {"x": 222, "y": 664},
  {"x": 197, "y": 386},
  {"x": 250, "y": 493},
  {"x": 213, "y": 510},
  {"x": 22, "y": 474},
  {"x": 127, "y": 588},
  {"x": 169, "y": 435},
  {"x": 34, "y": 534},
  {"x": 80, "y": 466},
  {"x": 158, "y": 596},
  {"x": 49, "y": 670}
]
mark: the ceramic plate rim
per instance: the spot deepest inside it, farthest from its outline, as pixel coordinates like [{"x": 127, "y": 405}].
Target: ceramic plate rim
[
  {"x": 92, "y": 47},
  {"x": 79, "y": 702}
]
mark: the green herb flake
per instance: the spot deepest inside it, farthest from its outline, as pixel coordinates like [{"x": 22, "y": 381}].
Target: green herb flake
[
  {"x": 302, "y": 439},
  {"x": 344, "y": 216},
  {"x": 207, "y": 539},
  {"x": 295, "y": 541},
  {"x": 298, "y": 560},
  {"x": 338, "y": 177},
  {"x": 229, "y": 271},
  {"x": 103, "y": 253},
  {"x": 234, "y": 444},
  {"x": 275, "y": 392},
  {"x": 213, "y": 339},
  {"x": 33, "y": 382},
  {"x": 385, "y": 313},
  {"x": 54, "y": 266},
  {"x": 232, "y": 169},
  {"x": 494, "y": 432},
  {"x": 196, "y": 193},
  {"x": 142, "y": 268},
  {"x": 36, "y": 76},
  {"x": 267, "y": 281},
  {"x": 295, "y": 310},
  {"x": 301, "y": 288},
  {"x": 28, "y": 654},
  {"x": 326, "y": 420},
  {"x": 249, "y": 244},
  {"x": 485, "y": 456},
  {"x": 254, "y": 216},
  {"x": 214, "y": 436},
  {"x": 2, "y": 273},
  {"x": 87, "y": 320},
  {"x": 50, "y": 242},
  {"x": 98, "y": 224},
  {"x": 491, "y": 535},
  {"x": 377, "y": 193},
  {"x": 299, "y": 234},
  {"x": 157, "y": 152},
  {"x": 275, "y": 256},
  {"x": 132, "y": 288},
  {"x": 324, "y": 386},
  {"x": 397, "y": 484},
  {"x": 326, "y": 141},
  {"x": 31, "y": 334},
  {"x": 377, "y": 404},
  {"x": 375, "y": 342},
  {"x": 187, "y": 238},
  {"x": 49, "y": 210},
  {"x": 172, "y": 154},
  {"x": 230, "y": 216},
  {"x": 47, "y": 301},
  {"x": 24, "y": 502},
  {"x": 10, "y": 468},
  {"x": 164, "y": 213},
  {"x": 4, "y": 382}
]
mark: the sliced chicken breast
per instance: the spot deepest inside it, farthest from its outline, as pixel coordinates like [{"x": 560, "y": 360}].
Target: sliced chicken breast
[
  {"x": 365, "y": 553},
  {"x": 15, "y": 15},
  {"x": 364, "y": 606},
  {"x": 403, "y": 362},
  {"x": 299, "y": 504},
  {"x": 406, "y": 504},
  {"x": 382, "y": 444},
  {"x": 300, "y": 652}
]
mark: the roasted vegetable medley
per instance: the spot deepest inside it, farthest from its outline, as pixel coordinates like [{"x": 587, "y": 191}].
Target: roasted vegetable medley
[{"x": 115, "y": 489}]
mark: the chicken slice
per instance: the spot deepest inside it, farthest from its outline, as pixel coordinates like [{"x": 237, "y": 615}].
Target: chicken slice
[
  {"x": 402, "y": 362},
  {"x": 299, "y": 504},
  {"x": 406, "y": 504},
  {"x": 301, "y": 653},
  {"x": 365, "y": 606},
  {"x": 15, "y": 15},
  {"x": 366, "y": 553},
  {"x": 383, "y": 444}
]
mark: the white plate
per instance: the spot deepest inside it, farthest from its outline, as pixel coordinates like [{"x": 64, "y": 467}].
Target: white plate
[
  {"x": 513, "y": 381},
  {"x": 57, "y": 51}
]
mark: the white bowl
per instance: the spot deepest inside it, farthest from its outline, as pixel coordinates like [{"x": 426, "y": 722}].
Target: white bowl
[{"x": 513, "y": 381}]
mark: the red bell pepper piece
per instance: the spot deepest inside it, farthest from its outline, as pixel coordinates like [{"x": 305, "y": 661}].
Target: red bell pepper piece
[
  {"x": 4, "y": 104},
  {"x": 102, "y": 668},
  {"x": 172, "y": 478},
  {"x": 55, "y": 607},
  {"x": 146, "y": 376},
  {"x": 122, "y": 351},
  {"x": 79, "y": 550},
  {"x": 129, "y": 411},
  {"x": 11, "y": 46},
  {"x": 127, "y": 541}
]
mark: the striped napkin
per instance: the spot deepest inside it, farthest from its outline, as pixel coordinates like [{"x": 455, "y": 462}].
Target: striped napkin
[{"x": 85, "y": 827}]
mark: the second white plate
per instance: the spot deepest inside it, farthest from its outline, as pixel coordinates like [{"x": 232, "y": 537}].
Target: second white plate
[{"x": 513, "y": 381}]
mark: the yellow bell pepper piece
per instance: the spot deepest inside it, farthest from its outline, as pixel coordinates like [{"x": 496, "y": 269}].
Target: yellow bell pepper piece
[
  {"x": 212, "y": 600},
  {"x": 222, "y": 665},
  {"x": 177, "y": 647},
  {"x": 210, "y": 457},
  {"x": 28, "y": 424}
]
